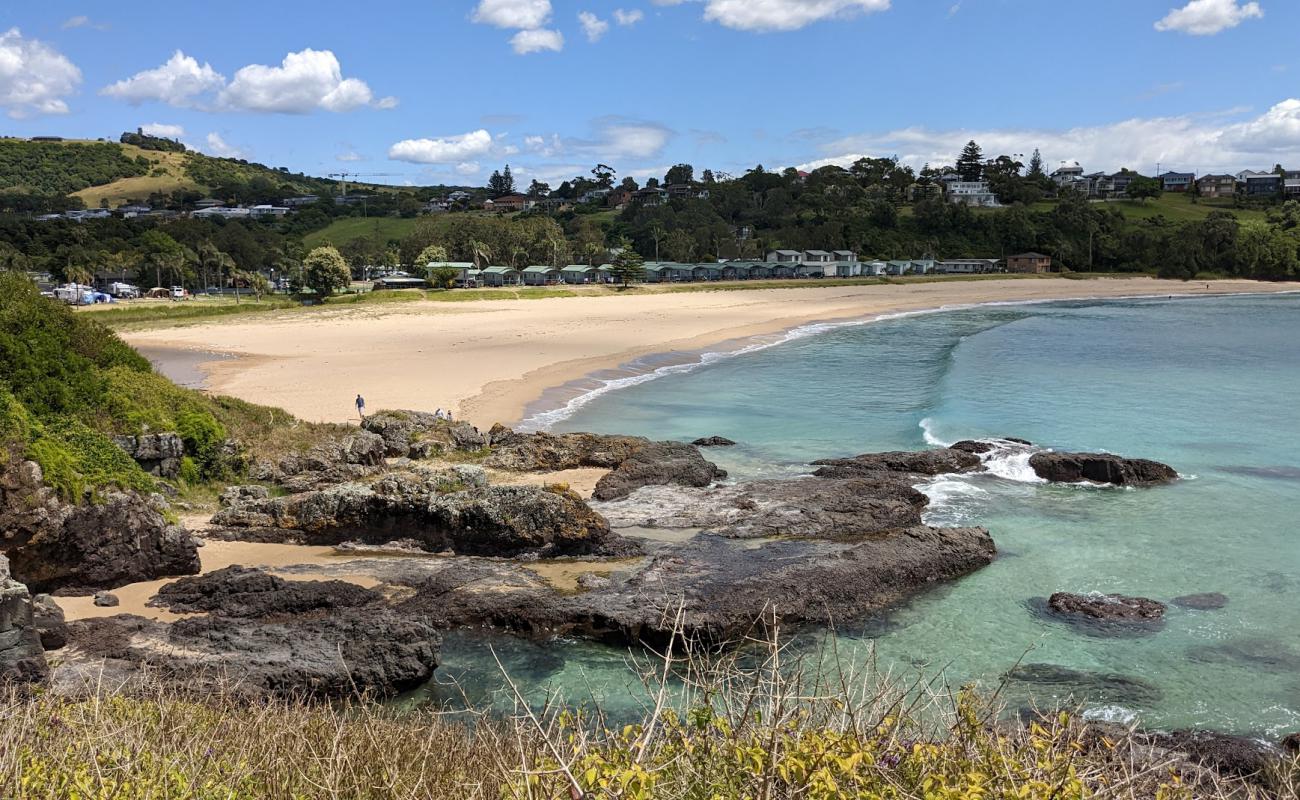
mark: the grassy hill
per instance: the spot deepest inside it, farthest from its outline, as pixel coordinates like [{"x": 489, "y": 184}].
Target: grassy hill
[
  {"x": 345, "y": 230},
  {"x": 165, "y": 174},
  {"x": 1173, "y": 207}
]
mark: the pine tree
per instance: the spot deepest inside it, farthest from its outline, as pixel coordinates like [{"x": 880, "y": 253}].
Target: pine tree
[
  {"x": 1036, "y": 165},
  {"x": 628, "y": 266},
  {"x": 970, "y": 164}
]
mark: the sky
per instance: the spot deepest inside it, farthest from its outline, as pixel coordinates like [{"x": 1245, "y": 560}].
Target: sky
[{"x": 446, "y": 91}]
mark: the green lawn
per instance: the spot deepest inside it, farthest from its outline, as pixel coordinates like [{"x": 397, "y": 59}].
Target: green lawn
[
  {"x": 345, "y": 230},
  {"x": 1173, "y": 207}
]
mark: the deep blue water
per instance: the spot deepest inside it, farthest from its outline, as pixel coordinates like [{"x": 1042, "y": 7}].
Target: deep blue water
[{"x": 1209, "y": 385}]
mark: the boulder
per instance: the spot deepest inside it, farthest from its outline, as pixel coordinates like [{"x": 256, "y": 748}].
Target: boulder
[
  {"x": 50, "y": 623},
  {"x": 845, "y": 508},
  {"x": 158, "y": 454},
  {"x": 106, "y": 600},
  {"x": 713, "y": 441},
  {"x": 941, "y": 461},
  {"x": 546, "y": 452},
  {"x": 1291, "y": 743},
  {"x": 248, "y": 592},
  {"x": 1100, "y": 468},
  {"x": 419, "y": 434},
  {"x": 344, "y": 458},
  {"x": 444, "y": 511},
  {"x": 658, "y": 464},
  {"x": 1226, "y": 754},
  {"x": 1206, "y": 601},
  {"x": 233, "y": 495},
  {"x": 1107, "y": 607},
  {"x": 115, "y": 539},
  {"x": 22, "y": 659}
]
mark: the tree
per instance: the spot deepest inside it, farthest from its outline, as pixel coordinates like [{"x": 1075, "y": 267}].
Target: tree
[
  {"x": 481, "y": 253},
  {"x": 1142, "y": 188},
  {"x": 604, "y": 175},
  {"x": 326, "y": 271},
  {"x": 162, "y": 252},
  {"x": 680, "y": 246},
  {"x": 628, "y": 266},
  {"x": 1036, "y": 166},
  {"x": 441, "y": 277},
  {"x": 433, "y": 254},
  {"x": 501, "y": 183},
  {"x": 257, "y": 283},
  {"x": 657, "y": 233},
  {"x": 593, "y": 251},
  {"x": 681, "y": 173},
  {"x": 537, "y": 189},
  {"x": 970, "y": 164}
]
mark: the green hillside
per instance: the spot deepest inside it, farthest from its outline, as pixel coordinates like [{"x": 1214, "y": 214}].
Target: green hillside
[{"x": 341, "y": 231}]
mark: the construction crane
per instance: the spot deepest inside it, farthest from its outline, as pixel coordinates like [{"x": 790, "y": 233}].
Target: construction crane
[{"x": 343, "y": 178}]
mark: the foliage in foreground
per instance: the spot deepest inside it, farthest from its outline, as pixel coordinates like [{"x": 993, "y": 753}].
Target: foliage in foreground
[{"x": 708, "y": 731}]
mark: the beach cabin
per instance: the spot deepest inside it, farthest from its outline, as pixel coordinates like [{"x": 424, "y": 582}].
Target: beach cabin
[
  {"x": 541, "y": 276},
  {"x": 399, "y": 283},
  {"x": 898, "y": 267},
  {"x": 738, "y": 270},
  {"x": 811, "y": 270},
  {"x": 817, "y": 257},
  {"x": 784, "y": 257},
  {"x": 921, "y": 266},
  {"x": 760, "y": 270},
  {"x": 667, "y": 272},
  {"x": 473, "y": 279},
  {"x": 707, "y": 272},
  {"x": 874, "y": 268},
  {"x": 966, "y": 266},
  {"x": 578, "y": 274},
  {"x": 500, "y": 276}
]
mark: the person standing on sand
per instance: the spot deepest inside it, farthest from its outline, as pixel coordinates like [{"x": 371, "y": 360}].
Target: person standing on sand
[{"x": 361, "y": 407}]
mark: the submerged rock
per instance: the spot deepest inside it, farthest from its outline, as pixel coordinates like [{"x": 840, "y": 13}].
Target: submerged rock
[
  {"x": 119, "y": 538},
  {"x": 248, "y": 592},
  {"x": 1107, "y": 607},
  {"x": 1100, "y": 468},
  {"x": 713, "y": 441},
  {"x": 1072, "y": 685},
  {"x": 941, "y": 461},
  {"x": 22, "y": 659},
  {"x": 1256, "y": 652},
  {"x": 658, "y": 464},
  {"x": 1206, "y": 601}
]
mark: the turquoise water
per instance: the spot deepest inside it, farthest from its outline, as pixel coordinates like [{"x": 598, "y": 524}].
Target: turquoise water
[{"x": 1209, "y": 385}]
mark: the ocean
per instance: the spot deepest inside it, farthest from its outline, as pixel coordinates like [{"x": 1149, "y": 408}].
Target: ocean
[{"x": 1210, "y": 385}]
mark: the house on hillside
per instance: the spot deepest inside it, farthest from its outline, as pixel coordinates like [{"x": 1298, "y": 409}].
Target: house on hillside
[
  {"x": 301, "y": 201},
  {"x": 650, "y": 197},
  {"x": 512, "y": 202},
  {"x": 264, "y": 211},
  {"x": 1291, "y": 188},
  {"x": 1217, "y": 186},
  {"x": 971, "y": 193},
  {"x": 1029, "y": 263},
  {"x": 817, "y": 257},
  {"x": 1262, "y": 184},
  {"x": 209, "y": 202},
  {"x": 1177, "y": 181}
]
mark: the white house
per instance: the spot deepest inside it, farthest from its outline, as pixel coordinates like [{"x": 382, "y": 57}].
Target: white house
[
  {"x": 972, "y": 193},
  {"x": 966, "y": 266},
  {"x": 268, "y": 211},
  {"x": 784, "y": 257}
]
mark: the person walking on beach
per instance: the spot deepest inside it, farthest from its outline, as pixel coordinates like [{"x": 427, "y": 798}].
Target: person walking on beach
[{"x": 361, "y": 407}]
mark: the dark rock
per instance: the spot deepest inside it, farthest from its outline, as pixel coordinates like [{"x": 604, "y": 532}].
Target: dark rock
[
  {"x": 438, "y": 511},
  {"x": 1107, "y": 607},
  {"x": 1259, "y": 653},
  {"x": 658, "y": 464},
  {"x": 233, "y": 495},
  {"x": 942, "y": 461},
  {"x": 158, "y": 454},
  {"x": 1100, "y": 468},
  {"x": 366, "y": 651},
  {"x": 106, "y": 600},
  {"x": 119, "y": 538},
  {"x": 247, "y": 592},
  {"x": 819, "y": 509},
  {"x": 345, "y": 458},
  {"x": 1291, "y": 743},
  {"x": 22, "y": 659},
  {"x": 1237, "y": 756},
  {"x": 419, "y": 434},
  {"x": 1071, "y": 686},
  {"x": 713, "y": 441},
  {"x": 545, "y": 452},
  {"x": 49, "y": 620},
  {"x": 1207, "y": 601}
]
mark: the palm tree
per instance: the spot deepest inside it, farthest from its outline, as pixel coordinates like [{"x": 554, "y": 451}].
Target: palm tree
[
  {"x": 657, "y": 232},
  {"x": 208, "y": 258},
  {"x": 593, "y": 251},
  {"x": 78, "y": 276},
  {"x": 518, "y": 253},
  {"x": 481, "y": 253}
]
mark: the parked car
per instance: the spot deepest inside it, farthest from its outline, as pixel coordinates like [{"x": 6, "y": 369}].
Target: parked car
[{"x": 179, "y": 293}]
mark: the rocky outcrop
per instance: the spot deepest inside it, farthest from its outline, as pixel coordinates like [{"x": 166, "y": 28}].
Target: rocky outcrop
[
  {"x": 342, "y": 459},
  {"x": 49, "y": 620},
  {"x": 418, "y": 434},
  {"x": 247, "y": 592},
  {"x": 234, "y": 495},
  {"x": 158, "y": 454},
  {"x": 22, "y": 659},
  {"x": 438, "y": 510},
  {"x": 1100, "y": 468},
  {"x": 713, "y": 441},
  {"x": 1107, "y": 607},
  {"x": 1224, "y": 753},
  {"x": 941, "y": 461},
  {"x": 368, "y": 651},
  {"x": 1205, "y": 601},
  {"x": 818, "y": 509},
  {"x": 545, "y": 452},
  {"x": 658, "y": 464},
  {"x": 111, "y": 540}
]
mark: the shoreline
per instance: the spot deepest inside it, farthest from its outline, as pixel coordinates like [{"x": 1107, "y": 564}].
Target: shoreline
[{"x": 513, "y": 361}]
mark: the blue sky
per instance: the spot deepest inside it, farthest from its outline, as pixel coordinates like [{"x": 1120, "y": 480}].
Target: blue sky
[{"x": 448, "y": 90}]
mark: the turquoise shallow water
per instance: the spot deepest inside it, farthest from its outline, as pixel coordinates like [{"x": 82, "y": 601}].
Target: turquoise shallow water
[{"x": 1208, "y": 385}]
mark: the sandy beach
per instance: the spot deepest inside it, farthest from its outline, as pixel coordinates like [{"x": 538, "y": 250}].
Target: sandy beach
[{"x": 492, "y": 360}]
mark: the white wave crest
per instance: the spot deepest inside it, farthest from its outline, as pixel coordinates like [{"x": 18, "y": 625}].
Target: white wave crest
[
  {"x": 927, "y": 433},
  {"x": 1112, "y": 713}
]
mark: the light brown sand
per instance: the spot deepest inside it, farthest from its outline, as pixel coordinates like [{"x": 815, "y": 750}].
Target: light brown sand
[
  {"x": 213, "y": 556},
  {"x": 489, "y": 360}
]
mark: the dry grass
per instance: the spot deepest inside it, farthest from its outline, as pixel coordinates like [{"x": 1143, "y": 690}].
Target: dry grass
[{"x": 742, "y": 726}]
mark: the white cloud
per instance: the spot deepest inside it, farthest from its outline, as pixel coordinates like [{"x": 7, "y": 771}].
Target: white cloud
[
  {"x": 387, "y": 103},
  {"x": 165, "y": 131},
  {"x": 304, "y": 81},
  {"x": 467, "y": 168},
  {"x": 625, "y": 18},
  {"x": 348, "y": 156},
  {"x": 624, "y": 138},
  {"x": 526, "y": 14},
  {"x": 178, "y": 82},
  {"x": 1208, "y": 17},
  {"x": 79, "y": 21},
  {"x": 445, "y": 150},
  {"x": 593, "y": 26},
  {"x": 217, "y": 146},
  {"x": 785, "y": 15},
  {"x": 1201, "y": 143},
  {"x": 34, "y": 77},
  {"x": 535, "y": 41}
]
